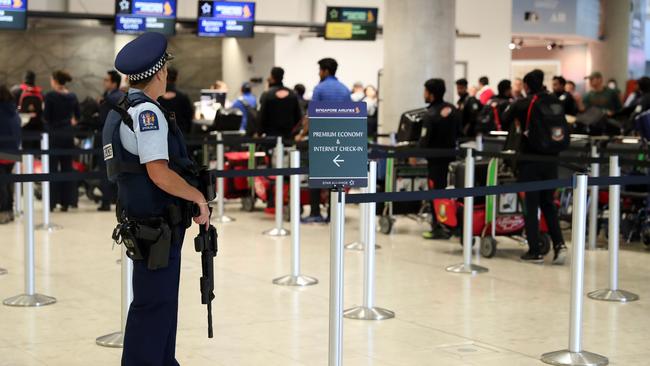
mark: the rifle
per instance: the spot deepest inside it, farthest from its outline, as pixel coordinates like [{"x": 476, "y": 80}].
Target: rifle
[{"x": 206, "y": 244}]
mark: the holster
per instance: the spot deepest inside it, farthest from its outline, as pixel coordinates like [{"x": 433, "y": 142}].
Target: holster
[{"x": 146, "y": 239}]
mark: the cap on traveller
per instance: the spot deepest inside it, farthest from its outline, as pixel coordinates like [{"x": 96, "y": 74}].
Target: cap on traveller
[
  {"x": 594, "y": 75},
  {"x": 143, "y": 57}
]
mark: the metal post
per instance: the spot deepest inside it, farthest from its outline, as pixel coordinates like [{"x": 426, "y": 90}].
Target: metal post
[
  {"x": 45, "y": 186},
  {"x": 3, "y": 271},
  {"x": 337, "y": 202},
  {"x": 613, "y": 293},
  {"x": 116, "y": 339},
  {"x": 468, "y": 238},
  {"x": 221, "y": 216},
  {"x": 575, "y": 354},
  {"x": 593, "y": 202},
  {"x": 479, "y": 142},
  {"x": 30, "y": 297},
  {"x": 278, "y": 230},
  {"x": 295, "y": 278},
  {"x": 365, "y": 215},
  {"x": 369, "y": 311},
  {"x": 18, "y": 192}
]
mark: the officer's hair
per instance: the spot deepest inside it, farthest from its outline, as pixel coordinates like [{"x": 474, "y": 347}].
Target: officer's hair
[
  {"x": 140, "y": 84},
  {"x": 172, "y": 75},
  {"x": 560, "y": 80}
]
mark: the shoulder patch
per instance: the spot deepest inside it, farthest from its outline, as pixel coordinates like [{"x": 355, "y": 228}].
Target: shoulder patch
[
  {"x": 148, "y": 121},
  {"x": 445, "y": 112}
]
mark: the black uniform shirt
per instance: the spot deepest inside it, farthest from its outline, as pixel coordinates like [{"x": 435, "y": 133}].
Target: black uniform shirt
[{"x": 440, "y": 129}]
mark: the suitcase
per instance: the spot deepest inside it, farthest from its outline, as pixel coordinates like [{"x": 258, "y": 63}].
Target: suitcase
[{"x": 410, "y": 125}]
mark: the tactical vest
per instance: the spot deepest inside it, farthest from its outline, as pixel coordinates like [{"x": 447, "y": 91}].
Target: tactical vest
[{"x": 138, "y": 196}]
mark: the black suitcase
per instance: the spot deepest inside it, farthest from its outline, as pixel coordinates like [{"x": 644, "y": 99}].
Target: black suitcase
[{"x": 410, "y": 125}]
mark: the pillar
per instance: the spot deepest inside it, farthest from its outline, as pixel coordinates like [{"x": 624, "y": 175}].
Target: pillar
[{"x": 419, "y": 44}]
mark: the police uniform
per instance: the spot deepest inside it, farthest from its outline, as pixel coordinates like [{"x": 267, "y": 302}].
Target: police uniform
[
  {"x": 136, "y": 132},
  {"x": 440, "y": 126}
]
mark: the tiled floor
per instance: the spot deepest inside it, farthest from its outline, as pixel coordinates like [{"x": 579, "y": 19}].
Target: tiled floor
[{"x": 508, "y": 316}]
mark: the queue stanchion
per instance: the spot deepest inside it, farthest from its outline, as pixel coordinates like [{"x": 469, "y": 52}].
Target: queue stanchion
[
  {"x": 363, "y": 221},
  {"x": 335, "y": 345},
  {"x": 479, "y": 142},
  {"x": 368, "y": 311},
  {"x": 30, "y": 298},
  {"x": 116, "y": 340},
  {"x": 575, "y": 355},
  {"x": 45, "y": 187},
  {"x": 220, "y": 197},
  {"x": 468, "y": 210},
  {"x": 278, "y": 230},
  {"x": 3, "y": 271},
  {"x": 18, "y": 192},
  {"x": 593, "y": 202},
  {"x": 613, "y": 293},
  {"x": 295, "y": 278}
]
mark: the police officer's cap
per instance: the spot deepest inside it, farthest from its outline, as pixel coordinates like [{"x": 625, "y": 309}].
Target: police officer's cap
[{"x": 143, "y": 57}]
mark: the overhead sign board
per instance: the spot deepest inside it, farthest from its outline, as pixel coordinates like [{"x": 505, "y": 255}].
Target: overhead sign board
[
  {"x": 13, "y": 14},
  {"x": 139, "y": 16},
  {"x": 348, "y": 23},
  {"x": 338, "y": 145},
  {"x": 226, "y": 19}
]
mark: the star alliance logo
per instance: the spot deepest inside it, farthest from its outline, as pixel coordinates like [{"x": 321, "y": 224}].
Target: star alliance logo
[
  {"x": 206, "y": 8},
  {"x": 125, "y": 5}
]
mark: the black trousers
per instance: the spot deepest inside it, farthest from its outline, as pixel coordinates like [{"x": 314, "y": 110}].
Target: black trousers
[
  {"x": 63, "y": 193},
  {"x": 6, "y": 189},
  {"x": 532, "y": 171},
  {"x": 105, "y": 185},
  {"x": 437, "y": 175}
]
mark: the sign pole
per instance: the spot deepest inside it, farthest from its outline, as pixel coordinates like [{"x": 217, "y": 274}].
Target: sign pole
[
  {"x": 337, "y": 201},
  {"x": 278, "y": 230}
]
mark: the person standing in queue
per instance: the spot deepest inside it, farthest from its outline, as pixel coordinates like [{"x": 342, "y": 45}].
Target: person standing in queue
[
  {"x": 439, "y": 131},
  {"x": 112, "y": 95},
  {"x": 469, "y": 108},
  {"x": 518, "y": 115},
  {"x": 559, "y": 90},
  {"x": 177, "y": 102},
  {"x": 146, "y": 154},
  {"x": 61, "y": 113},
  {"x": 329, "y": 89}
]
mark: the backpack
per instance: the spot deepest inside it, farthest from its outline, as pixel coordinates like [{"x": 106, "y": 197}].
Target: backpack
[
  {"x": 31, "y": 100},
  {"x": 252, "y": 122},
  {"x": 489, "y": 119},
  {"x": 410, "y": 125},
  {"x": 546, "y": 125}
]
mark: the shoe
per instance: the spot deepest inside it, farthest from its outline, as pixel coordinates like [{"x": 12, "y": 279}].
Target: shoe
[
  {"x": 532, "y": 257},
  {"x": 313, "y": 220},
  {"x": 559, "y": 254},
  {"x": 4, "y": 218},
  {"x": 438, "y": 233},
  {"x": 104, "y": 208},
  {"x": 64, "y": 208}
]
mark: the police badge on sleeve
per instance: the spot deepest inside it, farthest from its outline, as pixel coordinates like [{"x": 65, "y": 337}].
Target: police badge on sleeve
[{"x": 148, "y": 121}]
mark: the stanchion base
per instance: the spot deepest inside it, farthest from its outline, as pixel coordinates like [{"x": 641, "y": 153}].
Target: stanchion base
[
  {"x": 223, "y": 219},
  {"x": 472, "y": 269},
  {"x": 613, "y": 295},
  {"x": 290, "y": 280},
  {"x": 113, "y": 340},
  {"x": 568, "y": 358},
  {"x": 48, "y": 227},
  {"x": 364, "y": 313},
  {"x": 3, "y": 271},
  {"x": 29, "y": 300},
  {"x": 276, "y": 232},
  {"x": 359, "y": 246}
]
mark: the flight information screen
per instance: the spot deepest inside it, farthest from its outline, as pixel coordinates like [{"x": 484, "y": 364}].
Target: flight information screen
[
  {"x": 13, "y": 14},
  {"x": 353, "y": 24},
  {"x": 139, "y": 16},
  {"x": 226, "y": 19}
]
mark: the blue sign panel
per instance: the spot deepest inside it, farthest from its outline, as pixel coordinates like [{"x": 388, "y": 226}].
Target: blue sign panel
[
  {"x": 13, "y": 14},
  {"x": 338, "y": 145},
  {"x": 139, "y": 16},
  {"x": 226, "y": 19}
]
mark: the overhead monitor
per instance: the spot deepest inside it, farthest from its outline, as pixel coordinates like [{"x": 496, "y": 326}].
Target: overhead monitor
[
  {"x": 226, "y": 19},
  {"x": 353, "y": 24},
  {"x": 139, "y": 16},
  {"x": 13, "y": 14}
]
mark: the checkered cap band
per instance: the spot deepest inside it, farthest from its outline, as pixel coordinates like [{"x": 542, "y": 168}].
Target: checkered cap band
[{"x": 151, "y": 72}]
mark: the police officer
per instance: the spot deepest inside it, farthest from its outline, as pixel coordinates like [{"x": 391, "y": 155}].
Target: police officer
[
  {"x": 516, "y": 116},
  {"x": 146, "y": 155},
  {"x": 440, "y": 127},
  {"x": 559, "y": 90}
]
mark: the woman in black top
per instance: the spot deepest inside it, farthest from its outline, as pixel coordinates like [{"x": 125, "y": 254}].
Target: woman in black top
[
  {"x": 61, "y": 113},
  {"x": 10, "y": 139}
]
